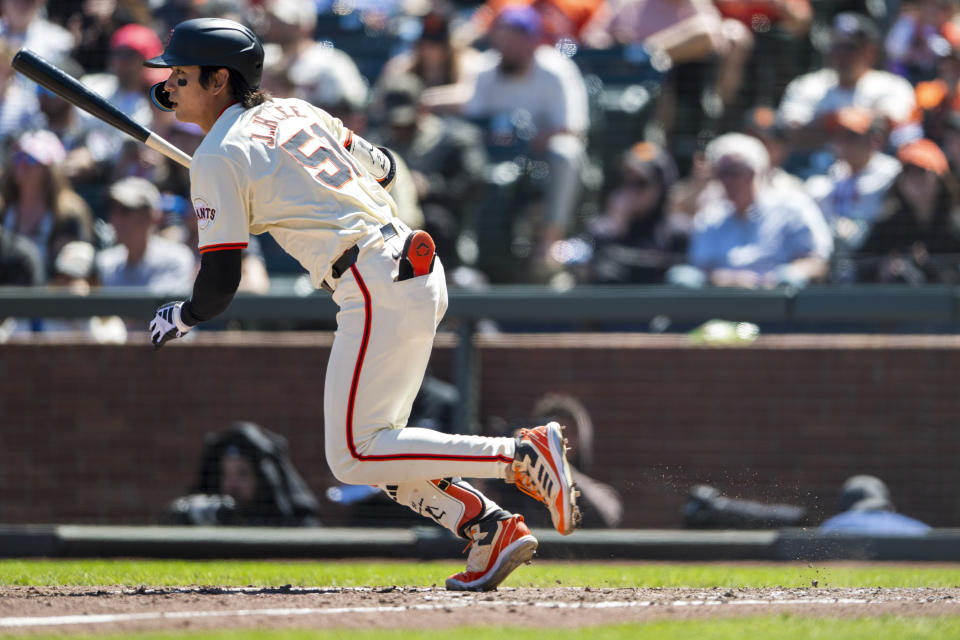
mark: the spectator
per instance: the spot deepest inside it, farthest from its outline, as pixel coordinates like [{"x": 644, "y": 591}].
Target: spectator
[
  {"x": 64, "y": 233},
  {"x": 677, "y": 33},
  {"x": 921, "y": 34},
  {"x": 762, "y": 123},
  {"x": 939, "y": 97},
  {"x": 73, "y": 267},
  {"x": 92, "y": 23},
  {"x": 635, "y": 239},
  {"x": 562, "y": 19},
  {"x": 295, "y": 65},
  {"x": 699, "y": 188},
  {"x": 22, "y": 24},
  {"x": 20, "y": 266},
  {"x": 848, "y": 80},
  {"x": 246, "y": 478},
  {"x": 125, "y": 82},
  {"x": 73, "y": 272},
  {"x": 371, "y": 13},
  {"x": 600, "y": 503},
  {"x": 917, "y": 240},
  {"x": 522, "y": 77},
  {"x": 82, "y": 144},
  {"x": 794, "y": 16},
  {"x": 137, "y": 159},
  {"x": 434, "y": 58},
  {"x": 951, "y": 143},
  {"x": 20, "y": 263},
  {"x": 447, "y": 162},
  {"x": 40, "y": 202},
  {"x": 779, "y": 29},
  {"x": 851, "y": 194},
  {"x": 866, "y": 509},
  {"x": 142, "y": 258},
  {"x": 18, "y": 98},
  {"x": 684, "y": 31},
  {"x": 757, "y": 236}
]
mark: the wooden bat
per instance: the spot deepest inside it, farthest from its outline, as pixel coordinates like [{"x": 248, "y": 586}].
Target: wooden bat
[{"x": 50, "y": 77}]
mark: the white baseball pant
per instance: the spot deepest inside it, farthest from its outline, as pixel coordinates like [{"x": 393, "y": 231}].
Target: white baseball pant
[{"x": 384, "y": 336}]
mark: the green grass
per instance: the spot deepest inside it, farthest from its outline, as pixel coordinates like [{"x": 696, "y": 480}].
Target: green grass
[
  {"x": 539, "y": 574},
  {"x": 784, "y": 627}
]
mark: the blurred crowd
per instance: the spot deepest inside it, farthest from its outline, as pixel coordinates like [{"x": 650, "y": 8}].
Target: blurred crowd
[{"x": 742, "y": 143}]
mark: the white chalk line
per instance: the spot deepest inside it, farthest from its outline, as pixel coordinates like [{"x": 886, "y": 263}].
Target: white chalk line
[{"x": 37, "y": 621}]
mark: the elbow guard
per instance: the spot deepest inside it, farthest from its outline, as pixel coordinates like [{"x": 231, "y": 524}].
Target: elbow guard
[{"x": 387, "y": 180}]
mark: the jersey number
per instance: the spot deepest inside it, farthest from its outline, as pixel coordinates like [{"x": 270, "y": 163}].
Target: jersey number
[{"x": 340, "y": 168}]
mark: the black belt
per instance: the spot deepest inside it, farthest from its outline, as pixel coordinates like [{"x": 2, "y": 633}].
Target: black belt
[
  {"x": 344, "y": 262},
  {"x": 349, "y": 257},
  {"x": 388, "y": 231}
]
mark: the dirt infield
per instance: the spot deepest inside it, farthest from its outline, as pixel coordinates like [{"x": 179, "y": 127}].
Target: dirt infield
[{"x": 30, "y": 610}]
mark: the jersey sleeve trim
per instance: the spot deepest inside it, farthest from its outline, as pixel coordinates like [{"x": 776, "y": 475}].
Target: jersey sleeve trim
[
  {"x": 348, "y": 143},
  {"x": 223, "y": 247}
]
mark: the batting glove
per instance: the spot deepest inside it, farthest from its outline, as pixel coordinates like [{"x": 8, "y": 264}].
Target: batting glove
[{"x": 167, "y": 324}]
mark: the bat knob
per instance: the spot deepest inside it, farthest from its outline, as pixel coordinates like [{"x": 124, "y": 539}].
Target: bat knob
[{"x": 160, "y": 97}]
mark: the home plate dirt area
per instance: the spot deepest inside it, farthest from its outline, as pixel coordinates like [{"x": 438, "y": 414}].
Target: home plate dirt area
[{"x": 91, "y": 610}]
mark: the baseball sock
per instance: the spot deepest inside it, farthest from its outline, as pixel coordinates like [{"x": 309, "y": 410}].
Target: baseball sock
[{"x": 450, "y": 502}]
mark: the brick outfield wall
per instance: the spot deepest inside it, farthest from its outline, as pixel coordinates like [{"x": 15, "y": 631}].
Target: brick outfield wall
[{"x": 109, "y": 434}]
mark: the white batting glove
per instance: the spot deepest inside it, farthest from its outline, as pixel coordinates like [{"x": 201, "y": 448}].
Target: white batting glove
[{"x": 167, "y": 324}]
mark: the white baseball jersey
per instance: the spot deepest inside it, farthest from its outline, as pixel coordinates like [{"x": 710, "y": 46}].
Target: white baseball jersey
[{"x": 283, "y": 167}]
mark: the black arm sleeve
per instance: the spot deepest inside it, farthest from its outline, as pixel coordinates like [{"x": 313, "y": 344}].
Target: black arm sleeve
[{"x": 214, "y": 287}]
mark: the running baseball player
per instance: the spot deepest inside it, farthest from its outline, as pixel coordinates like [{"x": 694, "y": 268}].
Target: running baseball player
[{"x": 287, "y": 167}]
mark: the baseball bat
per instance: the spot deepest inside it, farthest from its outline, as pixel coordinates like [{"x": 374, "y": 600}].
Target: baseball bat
[{"x": 50, "y": 77}]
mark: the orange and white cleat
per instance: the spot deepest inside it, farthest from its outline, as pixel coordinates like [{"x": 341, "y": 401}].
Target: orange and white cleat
[
  {"x": 541, "y": 471},
  {"x": 497, "y": 547}
]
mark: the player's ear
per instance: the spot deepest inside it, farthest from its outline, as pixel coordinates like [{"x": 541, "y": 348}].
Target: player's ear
[{"x": 221, "y": 80}]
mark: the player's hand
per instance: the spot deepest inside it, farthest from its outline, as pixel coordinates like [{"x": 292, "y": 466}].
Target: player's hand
[{"x": 167, "y": 324}]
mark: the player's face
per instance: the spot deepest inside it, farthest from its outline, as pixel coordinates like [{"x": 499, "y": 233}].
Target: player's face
[{"x": 191, "y": 102}]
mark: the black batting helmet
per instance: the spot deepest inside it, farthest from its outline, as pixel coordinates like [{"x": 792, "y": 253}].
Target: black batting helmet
[{"x": 214, "y": 42}]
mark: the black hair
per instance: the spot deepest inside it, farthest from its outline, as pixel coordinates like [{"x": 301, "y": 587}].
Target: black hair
[{"x": 246, "y": 95}]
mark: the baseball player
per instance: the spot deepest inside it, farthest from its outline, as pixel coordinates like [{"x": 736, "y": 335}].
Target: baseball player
[{"x": 287, "y": 167}]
